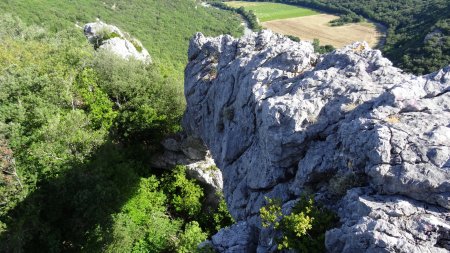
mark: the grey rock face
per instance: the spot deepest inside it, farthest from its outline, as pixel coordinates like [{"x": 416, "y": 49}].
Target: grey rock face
[
  {"x": 375, "y": 223},
  {"x": 235, "y": 239},
  {"x": 279, "y": 119},
  {"x": 110, "y": 38}
]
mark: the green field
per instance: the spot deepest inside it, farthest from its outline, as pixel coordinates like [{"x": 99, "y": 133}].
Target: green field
[{"x": 272, "y": 11}]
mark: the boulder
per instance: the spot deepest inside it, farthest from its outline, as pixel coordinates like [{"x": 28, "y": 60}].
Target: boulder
[
  {"x": 112, "y": 39},
  {"x": 281, "y": 120}
]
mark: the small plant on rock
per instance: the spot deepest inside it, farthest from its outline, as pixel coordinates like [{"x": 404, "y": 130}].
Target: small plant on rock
[
  {"x": 136, "y": 45},
  {"x": 303, "y": 229}
]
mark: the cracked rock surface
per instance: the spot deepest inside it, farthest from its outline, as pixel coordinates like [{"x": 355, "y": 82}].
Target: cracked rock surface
[{"x": 370, "y": 141}]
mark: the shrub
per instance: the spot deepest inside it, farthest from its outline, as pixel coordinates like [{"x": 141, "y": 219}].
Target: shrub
[
  {"x": 221, "y": 216},
  {"x": 149, "y": 106},
  {"x": 213, "y": 218},
  {"x": 96, "y": 102},
  {"x": 111, "y": 35},
  {"x": 142, "y": 224},
  {"x": 191, "y": 237},
  {"x": 303, "y": 229},
  {"x": 105, "y": 33},
  {"x": 185, "y": 195},
  {"x": 322, "y": 49},
  {"x": 293, "y": 38},
  {"x": 340, "y": 183},
  {"x": 271, "y": 213},
  {"x": 249, "y": 16},
  {"x": 136, "y": 45},
  {"x": 228, "y": 113}
]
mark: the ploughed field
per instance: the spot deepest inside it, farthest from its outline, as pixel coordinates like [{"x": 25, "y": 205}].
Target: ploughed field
[{"x": 308, "y": 24}]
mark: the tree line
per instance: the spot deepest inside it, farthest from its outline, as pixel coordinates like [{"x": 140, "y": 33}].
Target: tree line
[{"x": 418, "y": 35}]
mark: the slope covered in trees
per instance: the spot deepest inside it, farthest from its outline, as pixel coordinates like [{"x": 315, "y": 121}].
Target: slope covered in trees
[
  {"x": 418, "y": 36},
  {"x": 77, "y": 128},
  {"x": 164, "y": 27}
]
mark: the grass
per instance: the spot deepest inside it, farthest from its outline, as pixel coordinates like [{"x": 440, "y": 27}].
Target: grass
[{"x": 266, "y": 11}]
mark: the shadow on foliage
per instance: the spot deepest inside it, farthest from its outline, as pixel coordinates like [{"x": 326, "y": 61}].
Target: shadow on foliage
[{"x": 72, "y": 212}]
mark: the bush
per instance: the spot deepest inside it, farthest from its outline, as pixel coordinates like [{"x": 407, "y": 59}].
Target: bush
[
  {"x": 347, "y": 18},
  {"x": 105, "y": 33},
  {"x": 191, "y": 237},
  {"x": 322, "y": 49},
  {"x": 94, "y": 100},
  {"x": 303, "y": 229},
  {"x": 249, "y": 16},
  {"x": 149, "y": 106},
  {"x": 221, "y": 216},
  {"x": 136, "y": 45},
  {"x": 69, "y": 182},
  {"x": 185, "y": 195},
  {"x": 293, "y": 38},
  {"x": 340, "y": 183},
  {"x": 142, "y": 224}
]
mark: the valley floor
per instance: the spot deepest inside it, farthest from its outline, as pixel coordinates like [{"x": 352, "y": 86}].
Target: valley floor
[{"x": 318, "y": 27}]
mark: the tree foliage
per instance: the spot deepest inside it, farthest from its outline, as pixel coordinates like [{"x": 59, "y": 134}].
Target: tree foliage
[
  {"x": 249, "y": 16},
  {"x": 76, "y": 128},
  {"x": 322, "y": 49},
  {"x": 303, "y": 229},
  {"x": 185, "y": 194}
]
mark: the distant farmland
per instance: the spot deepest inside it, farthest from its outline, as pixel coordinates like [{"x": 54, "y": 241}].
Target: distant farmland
[
  {"x": 266, "y": 11},
  {"x": 317, "y": 26},
  {"x": 308, "y": 24}
]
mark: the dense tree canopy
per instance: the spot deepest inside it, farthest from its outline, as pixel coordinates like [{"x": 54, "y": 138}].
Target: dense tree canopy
[{"x": 77, "y": 128}]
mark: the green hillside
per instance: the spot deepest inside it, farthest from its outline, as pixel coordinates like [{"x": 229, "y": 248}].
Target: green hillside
[
  {"x": 164, "y": 27},
  {"x": 78, "y": 128}
]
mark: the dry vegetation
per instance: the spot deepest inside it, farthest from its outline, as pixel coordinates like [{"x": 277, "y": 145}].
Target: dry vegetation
[{"x": 317, "y": 26}]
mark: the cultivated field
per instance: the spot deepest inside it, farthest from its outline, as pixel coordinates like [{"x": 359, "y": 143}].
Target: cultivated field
[
  {"x": 308, "y": 24},
  {"x": 317, "y": 26},
  {"x": 266, "y": 11}
]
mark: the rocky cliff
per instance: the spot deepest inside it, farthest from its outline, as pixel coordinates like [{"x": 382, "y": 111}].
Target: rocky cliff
[{"x": 371, "y": 142}]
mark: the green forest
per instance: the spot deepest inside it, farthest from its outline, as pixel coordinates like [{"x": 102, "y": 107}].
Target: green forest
[
  {"x": 418, "y": 31},
  {"x": 78, "y": 127}
]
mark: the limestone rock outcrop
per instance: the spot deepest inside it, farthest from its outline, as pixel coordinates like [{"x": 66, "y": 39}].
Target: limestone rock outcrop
[
  {"x": 181, "y": 149},
  {"x": 112, "y": 39},
  {"x": 280, "y": 120}
]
